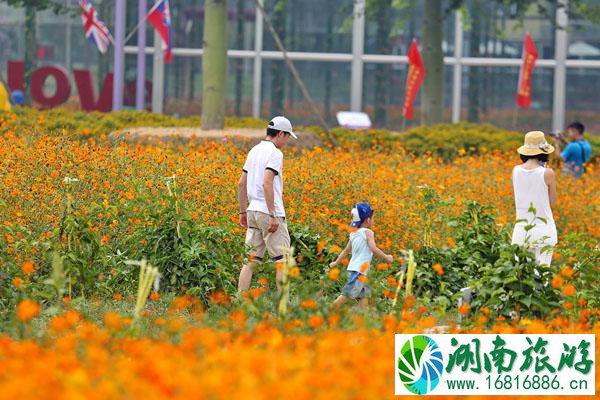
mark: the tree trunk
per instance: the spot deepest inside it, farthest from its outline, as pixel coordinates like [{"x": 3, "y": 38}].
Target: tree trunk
[
  {"x": 30, "y": 49},
  {"x": 474, "y": 76},
  {"x": 328, "y": 69},
  {"x": 239, "y": 63},
  {"x": 277, "y": 67},
  {"x": 432, "y": 100},
  {"x": 214, "y": 64},
  {"x": 382, "y": 71}
]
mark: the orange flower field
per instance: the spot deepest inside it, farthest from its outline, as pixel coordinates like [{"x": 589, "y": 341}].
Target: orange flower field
[{"x": 80, "y": 207}]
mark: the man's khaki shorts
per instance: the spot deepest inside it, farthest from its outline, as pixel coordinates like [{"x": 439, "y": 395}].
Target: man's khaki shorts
[{"x": 259, "y": 239}]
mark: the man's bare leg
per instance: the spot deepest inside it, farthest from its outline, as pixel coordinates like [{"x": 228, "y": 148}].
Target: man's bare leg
[
  {"x": 364, "y": 302},
  {"x": 245, "y": 277}
]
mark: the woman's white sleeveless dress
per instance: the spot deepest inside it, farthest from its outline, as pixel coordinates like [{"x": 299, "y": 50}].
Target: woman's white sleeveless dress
[{"x": 531, "y": 191}]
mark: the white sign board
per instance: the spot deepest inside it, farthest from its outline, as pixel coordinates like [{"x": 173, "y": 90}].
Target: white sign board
[{"x": 353, "y": 120}]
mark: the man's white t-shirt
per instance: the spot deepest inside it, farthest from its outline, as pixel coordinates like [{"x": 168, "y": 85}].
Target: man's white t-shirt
[{"x": 263, "y": 156}]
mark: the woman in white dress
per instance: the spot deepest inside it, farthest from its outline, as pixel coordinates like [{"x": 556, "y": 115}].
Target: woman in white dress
[{"x": 534, "y": 187}]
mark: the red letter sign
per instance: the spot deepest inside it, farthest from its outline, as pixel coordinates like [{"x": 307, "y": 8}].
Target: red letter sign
[
  {"x": 16, "y": 75},
  {"x": 63, "y": 88},
  {"x": 83, "y": 78}
]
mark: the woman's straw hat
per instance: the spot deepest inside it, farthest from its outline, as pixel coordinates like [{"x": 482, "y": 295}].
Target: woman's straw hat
[{"x": 535, "y": 143}]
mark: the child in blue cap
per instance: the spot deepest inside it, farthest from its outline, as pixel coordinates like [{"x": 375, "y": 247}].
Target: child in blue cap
[{"x": 362, "y": 246}]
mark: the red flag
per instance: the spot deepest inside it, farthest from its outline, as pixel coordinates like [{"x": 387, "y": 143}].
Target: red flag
[
  {"x": 159, "y": 17},
  {"x": 530, "y": 55},
  {"x": 414, "y": 79}
]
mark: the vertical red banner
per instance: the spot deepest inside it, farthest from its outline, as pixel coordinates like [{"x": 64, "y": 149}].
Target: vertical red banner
[
  {"x": 530, "y": 55},
  {"x": 414, "y": 79}
]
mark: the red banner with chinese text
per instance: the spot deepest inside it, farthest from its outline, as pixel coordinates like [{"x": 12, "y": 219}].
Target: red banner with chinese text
[
  {"x": 414, "y": 79},
  {"x": 530, "y": 55}
]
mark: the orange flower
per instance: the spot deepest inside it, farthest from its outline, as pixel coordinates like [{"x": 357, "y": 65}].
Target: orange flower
[
  {"x": 27, "y": 310},
  {"x": 363, "y": 278},
  {"x": 557, "y": 281},
  {"x": 117, "y": 296},
  {"x": 263, "y": 281},
  {"x": 27, "y": 267},
  {"x": 567, "y": 272},
  {"x": 154, "y": 296},
  {"x": 315, "y": 321},
  {"x": 335, "y": 249},
  {"x": 320, "y": 246},
  {"x": 364, "y": 267},
  {"x": 220, "y": 297},
  {"x": 333, "y": 320},
  {"x": 114, "y": 321},
  {"x": 464, "y": 309},
  {"x": 18, "y": 282},
  {"x": 451, "y": 242},
  {"x": 295, "y": 272},
  {"x": 409, "y": 301},
  {"x": 437, "y": 267},
  {"x": 256, "y": 292},
  {"x": 392, "y": 281},
  {"x": 382, "y": 267},
  {"x": 309, "y": 304},
  {"x": 569, "y": 290},
  {"x": 334, "y": 274},
  {"x": 568, "y": 305}
]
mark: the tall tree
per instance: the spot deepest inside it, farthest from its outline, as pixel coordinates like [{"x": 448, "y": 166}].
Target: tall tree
[
  {"x": 330, "y": 13},
  {"x": 432, "y": 99},
  {"x": 278, "y": 68},
  {"x": 474, "y": 75},
  {"x": 31, "y": 9},
  {"x": 214, "y": 64},
  {"x": 383, "y": 72},
  {"x": 239, "y": 63}
]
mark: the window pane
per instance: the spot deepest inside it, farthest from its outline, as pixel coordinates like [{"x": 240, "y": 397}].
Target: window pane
[
  {"x": 491, "y": 30},
  {"x": 390, "y": 28},
  {"x": 384, "y": 88},
  {"x": 488, "y": 95},
  {"x": 183, "y": 86},
  {"x": 327, "y": 82},
  {"x": 311, "y": 25},
  {"x": 583, "y": 97}
]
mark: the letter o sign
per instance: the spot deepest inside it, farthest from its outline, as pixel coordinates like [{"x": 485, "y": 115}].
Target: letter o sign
[{"x": 63, "y": 88}]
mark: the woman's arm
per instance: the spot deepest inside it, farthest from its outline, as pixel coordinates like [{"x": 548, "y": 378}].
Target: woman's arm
[
  {"x": 550, "y": 180},
  {"x": 343, "y": 254},
  {"x": 376, "y": 250}
]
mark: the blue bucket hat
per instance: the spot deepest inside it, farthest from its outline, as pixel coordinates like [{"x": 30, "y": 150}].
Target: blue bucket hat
[{"x": 360, "y": 212}]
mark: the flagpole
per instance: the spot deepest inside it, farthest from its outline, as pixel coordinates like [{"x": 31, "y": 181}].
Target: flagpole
[
  {"x": 140, "y": 87},
  {"x": 119, "y": 63},
  {"x": 139, "y": 24}
]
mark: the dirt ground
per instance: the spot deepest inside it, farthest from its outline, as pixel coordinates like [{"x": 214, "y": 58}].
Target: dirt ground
[{"x": 237, "y": 135}]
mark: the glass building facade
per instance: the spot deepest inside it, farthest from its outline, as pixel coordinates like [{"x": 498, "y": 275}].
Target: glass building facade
[{"x": 350, "y": 54}]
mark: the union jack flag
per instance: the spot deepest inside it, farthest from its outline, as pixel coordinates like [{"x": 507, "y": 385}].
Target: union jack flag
[
  {"x": 94, "y": 29},
  {"x": 160, "y": 18}
]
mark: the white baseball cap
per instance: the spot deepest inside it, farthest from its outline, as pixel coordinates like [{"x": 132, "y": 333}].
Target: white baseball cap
[{"x": 282, "y": 124}]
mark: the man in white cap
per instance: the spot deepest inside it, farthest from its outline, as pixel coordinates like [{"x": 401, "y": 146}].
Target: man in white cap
[{"x": 260, "y": 198}]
